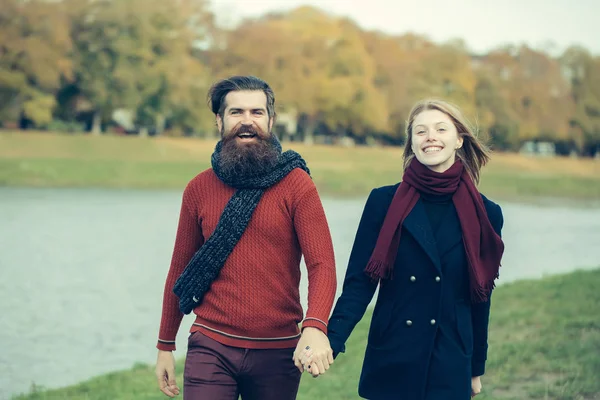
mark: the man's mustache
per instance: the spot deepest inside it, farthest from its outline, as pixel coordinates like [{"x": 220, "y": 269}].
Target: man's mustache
[{"x": 247, "y": 129}]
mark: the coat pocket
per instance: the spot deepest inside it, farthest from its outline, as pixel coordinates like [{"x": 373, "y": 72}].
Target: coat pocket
[{"x": 464, "y": 326}]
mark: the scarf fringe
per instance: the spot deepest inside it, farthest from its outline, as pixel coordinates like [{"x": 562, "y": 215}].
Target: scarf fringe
[
  {"x": 481, "y": 294},
  {"x": 377, "y": 269}
]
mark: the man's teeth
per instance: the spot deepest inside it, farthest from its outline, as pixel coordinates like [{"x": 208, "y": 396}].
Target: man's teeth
[{"x": 432, "y": 149}]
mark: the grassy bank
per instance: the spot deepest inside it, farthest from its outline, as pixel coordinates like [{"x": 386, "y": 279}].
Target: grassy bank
[
  {"x": 544, "y": 344},
  {"x": 49, "y": 160}
]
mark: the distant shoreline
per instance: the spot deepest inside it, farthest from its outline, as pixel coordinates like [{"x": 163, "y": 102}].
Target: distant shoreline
[{"x": 60, "y": 160}]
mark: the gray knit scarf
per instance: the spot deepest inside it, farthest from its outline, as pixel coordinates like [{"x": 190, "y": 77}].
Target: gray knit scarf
[{"x": 205, "y": 265}]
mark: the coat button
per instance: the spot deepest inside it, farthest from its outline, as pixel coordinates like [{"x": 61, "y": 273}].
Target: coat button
[
  {"x": 412, "y": 278},
  {"x": 408, "y": 322},
  {"x": 432, "y": 322},
  {"x": 437, "y": 279}
]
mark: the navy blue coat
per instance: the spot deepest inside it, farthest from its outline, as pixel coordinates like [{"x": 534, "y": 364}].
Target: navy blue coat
[{"x": 426, "y": 338}]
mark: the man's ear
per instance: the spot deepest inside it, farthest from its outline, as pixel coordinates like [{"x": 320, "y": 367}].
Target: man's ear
[
  {"x": 271, "y": 123},
  {"x": 219, "y": 123}
]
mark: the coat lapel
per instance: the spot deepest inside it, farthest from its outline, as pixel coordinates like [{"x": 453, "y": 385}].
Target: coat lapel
[{"x": 417, "y": 223}]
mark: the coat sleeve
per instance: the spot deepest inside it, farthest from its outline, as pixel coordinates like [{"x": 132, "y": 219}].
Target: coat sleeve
[
  {"x": 358, "y": 288},
  {"x": 480, "y": 312}
]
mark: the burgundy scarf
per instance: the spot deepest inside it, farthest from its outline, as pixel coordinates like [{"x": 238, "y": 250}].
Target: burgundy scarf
[{"x": 483, "y": 246}]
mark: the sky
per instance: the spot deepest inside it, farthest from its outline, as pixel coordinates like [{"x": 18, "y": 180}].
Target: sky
[{"x": 550, "y": 25}]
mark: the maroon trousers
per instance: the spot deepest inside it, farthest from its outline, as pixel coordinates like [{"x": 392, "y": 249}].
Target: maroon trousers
[{"x": 214, "y": 371}]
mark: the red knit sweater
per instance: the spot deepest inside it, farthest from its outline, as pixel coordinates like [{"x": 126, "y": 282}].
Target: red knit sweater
[{"x": 255, "y": 301}]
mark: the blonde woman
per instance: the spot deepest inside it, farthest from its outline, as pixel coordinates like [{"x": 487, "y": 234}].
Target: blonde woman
[{"x": 432, "y": 243}]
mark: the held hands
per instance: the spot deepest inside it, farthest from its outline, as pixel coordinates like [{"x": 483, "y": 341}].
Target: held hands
[
  {"x": 475, "y": 386},
  {"x": 313, "y": 352},
  {"x": 165, "y": 373}
]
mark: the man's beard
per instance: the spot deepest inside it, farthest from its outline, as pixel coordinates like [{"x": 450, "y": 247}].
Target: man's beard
[{"x": 248, "y": 159}]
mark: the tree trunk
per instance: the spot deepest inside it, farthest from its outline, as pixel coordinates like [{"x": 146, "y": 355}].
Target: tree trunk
[
  {"x": 309, "y": 132},
  {"x": 97, "y": 124},
  {"x": 161, "y": 121}
]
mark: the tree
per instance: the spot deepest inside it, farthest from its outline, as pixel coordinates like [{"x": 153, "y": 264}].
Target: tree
[
  {"x": 137, "y": 54},
  {"x": 583, "y": 74},
  {"x": 446, "y": 73},
  {"x": 34, "y": 58},
  {"x": 527, "y": 95},
  {"x": 317, "y": 65},
  {"x": 494, "y": 111}
]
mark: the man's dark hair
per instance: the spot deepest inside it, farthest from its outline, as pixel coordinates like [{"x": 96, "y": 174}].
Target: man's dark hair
[{"x": 217, "y": 93}]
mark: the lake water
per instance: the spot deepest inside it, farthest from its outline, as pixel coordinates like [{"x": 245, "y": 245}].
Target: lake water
[{"x": 82, "y": 273}]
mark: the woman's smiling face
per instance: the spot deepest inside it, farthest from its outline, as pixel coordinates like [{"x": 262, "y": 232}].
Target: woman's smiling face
[{"x": 434, "y": 140}]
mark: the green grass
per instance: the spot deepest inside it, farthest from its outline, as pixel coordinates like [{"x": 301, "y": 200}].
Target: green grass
[
  {"x": 544, "y": 344},
  {"x": 53, "y": 160}
]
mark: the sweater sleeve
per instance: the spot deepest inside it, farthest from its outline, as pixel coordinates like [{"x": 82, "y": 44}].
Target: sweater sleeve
[
  {"x": 314, "y": 238},
  {"x": 480, "y": 314},
  {"x": 358, "y": 288},
  {"x": 187, "y": 241}
]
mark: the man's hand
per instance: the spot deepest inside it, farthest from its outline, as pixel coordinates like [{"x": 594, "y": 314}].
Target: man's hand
[
  {"x": 165, "y": 373},
  {"x": 313, "y": 352},
  {"x": 475, "y": 386}
]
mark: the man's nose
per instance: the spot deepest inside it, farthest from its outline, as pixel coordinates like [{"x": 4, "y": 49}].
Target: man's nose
[{"x": 246, "y": 120}]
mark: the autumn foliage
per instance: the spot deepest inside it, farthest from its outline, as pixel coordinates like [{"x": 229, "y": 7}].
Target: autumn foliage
[{"x": 72, "y": 64}]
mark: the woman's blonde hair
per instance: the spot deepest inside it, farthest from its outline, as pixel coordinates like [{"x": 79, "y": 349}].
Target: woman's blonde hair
[{"x": 473, "y": 153}]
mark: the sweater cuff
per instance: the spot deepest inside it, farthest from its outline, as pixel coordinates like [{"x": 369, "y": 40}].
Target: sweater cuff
[
  {"x": 166, "y": 345},
  {"x": 315, "y": 323}
]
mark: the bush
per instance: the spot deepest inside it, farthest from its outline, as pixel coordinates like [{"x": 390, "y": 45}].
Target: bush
[{"x": 65, "y": 126}]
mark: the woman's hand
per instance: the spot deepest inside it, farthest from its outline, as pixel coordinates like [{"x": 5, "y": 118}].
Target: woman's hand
[{"x": 475, "y": 386}]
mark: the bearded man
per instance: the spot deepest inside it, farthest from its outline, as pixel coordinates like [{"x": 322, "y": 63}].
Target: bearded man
[{"x": 243, "y": 227}]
